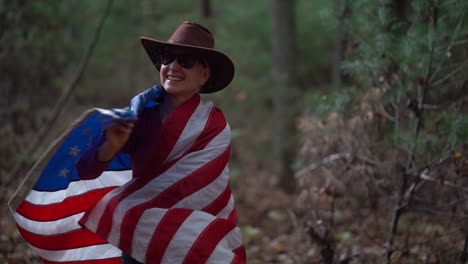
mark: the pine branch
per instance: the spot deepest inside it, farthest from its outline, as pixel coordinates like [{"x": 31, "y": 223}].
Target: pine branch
[{"x": 449, "y": 47}]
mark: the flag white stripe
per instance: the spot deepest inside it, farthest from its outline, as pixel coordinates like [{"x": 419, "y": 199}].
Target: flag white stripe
[
  {"x": 144, "y": 232},
  {"x": 56, "y": 227},
  {"x": 185, "y": 236},
  {"x": 228, "y": 209},
  {"x": 223, "y": 251},
  {"x": 92, "y": 222},
  {"x": 192, "y": 130},
  {"x": 183, "y": 168},
  {"x": 107, "y": 179},
  {"x": 206, "y": 195},
  {"x": 79, "y": 254}
]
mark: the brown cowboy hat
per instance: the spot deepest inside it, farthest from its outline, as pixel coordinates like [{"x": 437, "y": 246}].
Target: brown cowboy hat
[{"x": 198, "y": 40}]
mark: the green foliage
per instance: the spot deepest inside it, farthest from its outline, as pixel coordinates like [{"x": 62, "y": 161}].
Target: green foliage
[
  {"x": 321, "y": 104},
  {"x": 455, "y": 127},
  {"x": 407, "y": 47},
  {"x": 316, "y": 33},
  {"x": 36, "y": 45}
]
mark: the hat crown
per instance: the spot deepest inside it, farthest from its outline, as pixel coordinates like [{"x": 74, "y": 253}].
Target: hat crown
[{"x": 194, "y": 35}]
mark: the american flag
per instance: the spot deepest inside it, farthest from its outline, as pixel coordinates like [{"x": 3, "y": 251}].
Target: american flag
[{"x": 183, "y": 213}]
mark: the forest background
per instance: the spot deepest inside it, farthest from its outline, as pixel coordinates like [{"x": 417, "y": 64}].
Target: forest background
[{"x": 349, "y": 117}]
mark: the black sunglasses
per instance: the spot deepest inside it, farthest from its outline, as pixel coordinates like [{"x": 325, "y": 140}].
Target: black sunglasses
[{"x": 187, "y": 61}]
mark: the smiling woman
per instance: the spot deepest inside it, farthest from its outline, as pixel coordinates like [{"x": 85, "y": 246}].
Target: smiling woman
[
  {"x": 178, "y": 204},
  {"x": 182, "y": 75}
]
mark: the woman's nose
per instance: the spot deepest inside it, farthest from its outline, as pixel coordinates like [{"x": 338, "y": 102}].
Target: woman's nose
[{"x": 174, "y": 63}]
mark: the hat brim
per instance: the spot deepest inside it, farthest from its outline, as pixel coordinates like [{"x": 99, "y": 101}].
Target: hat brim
[{"x": 222, "y": 67}]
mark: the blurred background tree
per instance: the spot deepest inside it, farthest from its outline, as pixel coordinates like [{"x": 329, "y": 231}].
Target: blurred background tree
[
  {"x": 284, "y": 95},
  {"x": 35, "y": 52},
  {"x": 372, "y": 107}
]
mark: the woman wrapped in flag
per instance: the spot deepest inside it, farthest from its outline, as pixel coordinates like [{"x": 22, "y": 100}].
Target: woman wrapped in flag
[
  {"x": 162, "y": 167},
  {"x": 178, "y": 206}
]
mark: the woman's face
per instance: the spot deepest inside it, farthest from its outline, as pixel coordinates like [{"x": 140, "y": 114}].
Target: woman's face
[{"x": 182, "y": 75}]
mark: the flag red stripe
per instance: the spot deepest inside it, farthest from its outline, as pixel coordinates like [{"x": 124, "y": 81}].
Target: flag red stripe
[
  {"x": 163, "y": 234},
  {"x": 75, "y": 239},
  {"x": 166, "y": 142},
  {"x": 233, "y": 216},
  {"x": 169, "y": 137},
  {"x": 240, "y": 257},
  {"x": 69, "y": 206},
  {"x": 207, "y": 241},
  {"x": 175, "y": 193},
  {"x": 217, "y": 205}
]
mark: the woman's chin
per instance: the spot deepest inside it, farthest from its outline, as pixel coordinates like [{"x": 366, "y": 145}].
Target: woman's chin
[{"x": 170, "y": 87}]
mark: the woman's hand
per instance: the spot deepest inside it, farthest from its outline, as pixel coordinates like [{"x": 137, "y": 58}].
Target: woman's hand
[{"x": 117, "y": 135}]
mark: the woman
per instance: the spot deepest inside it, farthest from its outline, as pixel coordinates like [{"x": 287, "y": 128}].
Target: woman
[{"x": 178, "y": 207}]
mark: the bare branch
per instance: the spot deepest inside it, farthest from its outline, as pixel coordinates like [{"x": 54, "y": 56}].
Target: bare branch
[
  {"x": 403, "y": 201},
  {"x": 427, "y": 177},
  {"x": 450, "y": 75},
  {"x": 324, "y": 161}
]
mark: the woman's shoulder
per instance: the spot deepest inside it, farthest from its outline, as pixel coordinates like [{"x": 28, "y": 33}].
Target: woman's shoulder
[
  {"x": 216, "y": 119},
  {"x": 213, "y": 109}
]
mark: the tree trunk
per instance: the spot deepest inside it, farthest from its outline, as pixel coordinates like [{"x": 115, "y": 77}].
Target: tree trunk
[
  {"x": 285, "y": 103},
  {"x": 205, "y": 8},
  {"x": 341, "y": 40}
]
